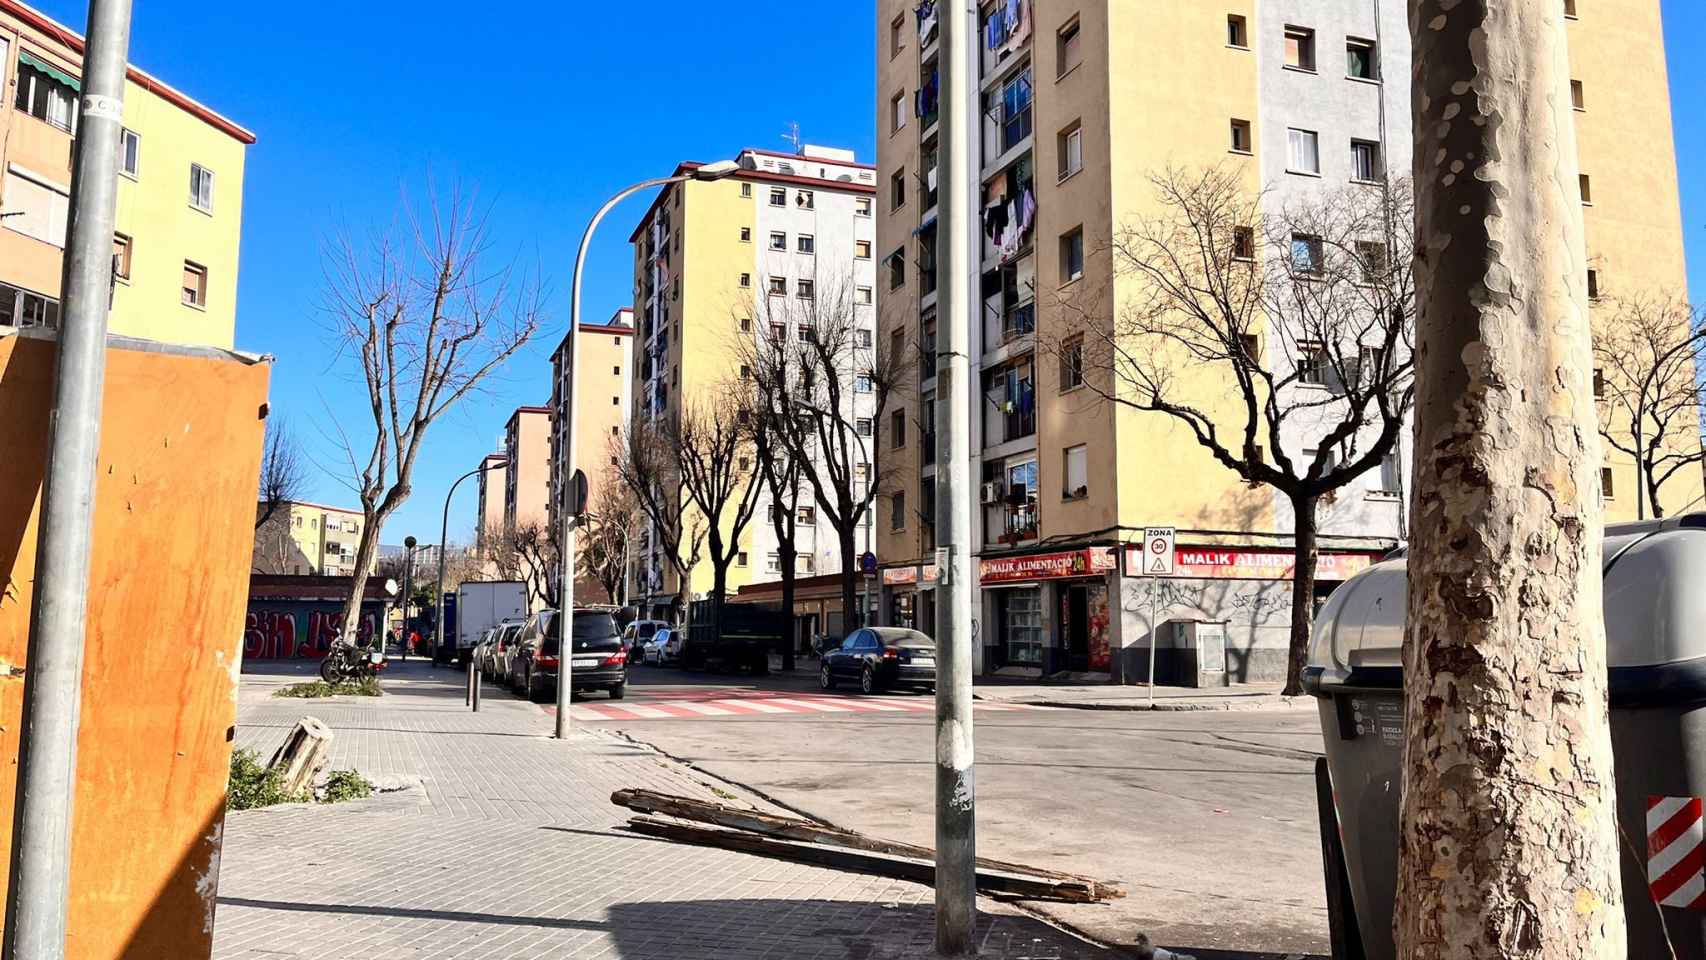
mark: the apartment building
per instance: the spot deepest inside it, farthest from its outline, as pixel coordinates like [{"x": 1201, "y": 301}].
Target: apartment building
[
  {"x": 308, "y": 539},
  {"x": 606, "y": 401},
  {"x": 1079, "y": 104},
  {"x": 180, "y": 194},
  {"x": 527, "y": 476},
  {"x": 712, "y": 261},
  {"x": 489, "y": 516}
]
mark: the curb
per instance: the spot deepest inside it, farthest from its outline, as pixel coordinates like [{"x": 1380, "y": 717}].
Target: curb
[{"x": 1163, "y": 707}]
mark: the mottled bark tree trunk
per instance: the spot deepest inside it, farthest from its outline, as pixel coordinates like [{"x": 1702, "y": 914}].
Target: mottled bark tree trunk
[
  {"x": 1508, "y": 836},
  {"x": 1305, "y": 556}
]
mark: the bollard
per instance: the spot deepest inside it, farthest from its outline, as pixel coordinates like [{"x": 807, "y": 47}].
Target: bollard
[
  {"x": 468, "y": 694},
  {"x": 477, "y": 679}
]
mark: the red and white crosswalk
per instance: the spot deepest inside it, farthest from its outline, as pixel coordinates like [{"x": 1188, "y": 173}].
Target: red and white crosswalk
[{"x": 700, "y": 704}]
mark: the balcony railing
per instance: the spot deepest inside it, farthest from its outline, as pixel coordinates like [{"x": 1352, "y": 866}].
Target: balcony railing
[{"x": 1018, "y": 321}]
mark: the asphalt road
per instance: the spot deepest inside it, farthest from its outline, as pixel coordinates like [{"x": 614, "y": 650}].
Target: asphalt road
[{"x": 1207, "y": 819}]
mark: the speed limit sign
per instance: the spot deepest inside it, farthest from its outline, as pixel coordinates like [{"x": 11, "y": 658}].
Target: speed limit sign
[{"x": 1158, "y": 551}]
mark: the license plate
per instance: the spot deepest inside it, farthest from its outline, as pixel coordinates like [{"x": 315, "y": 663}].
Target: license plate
[
  {"x": 923, "y": 661},
  {"x": 583, "y": 664},
  {"x": 376, "y": 657}
]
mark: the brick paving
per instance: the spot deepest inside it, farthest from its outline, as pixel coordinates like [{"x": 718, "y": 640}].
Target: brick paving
[{"x": 501, "y": 844}]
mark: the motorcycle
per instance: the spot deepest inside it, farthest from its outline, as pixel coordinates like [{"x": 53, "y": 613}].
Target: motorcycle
[{"x": 347, "y": 662}]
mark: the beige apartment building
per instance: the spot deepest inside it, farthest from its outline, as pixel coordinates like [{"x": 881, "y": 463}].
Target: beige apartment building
[
  {"x": 527, "y": 477},
  {"x": 489, "y": 515},
  {"x": 606, "y": 400},
  {"x": 180, "y": 193},
  {"x": 1078, "y": 104},
  {"x": 307, "y": 538}
]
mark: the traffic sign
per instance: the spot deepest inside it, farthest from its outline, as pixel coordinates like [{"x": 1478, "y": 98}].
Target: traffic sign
[
  {"x": 868, "y": 562},
  {"x": 1158, "y": 551}
]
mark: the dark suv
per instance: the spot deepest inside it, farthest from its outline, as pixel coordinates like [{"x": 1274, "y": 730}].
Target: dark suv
[{"x": 597, "y": 661}]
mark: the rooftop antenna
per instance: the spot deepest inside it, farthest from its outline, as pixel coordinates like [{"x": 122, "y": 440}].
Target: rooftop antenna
[{"x": 792, "y": 135}]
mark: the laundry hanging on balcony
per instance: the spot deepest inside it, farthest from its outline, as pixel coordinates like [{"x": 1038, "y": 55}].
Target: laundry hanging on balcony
[
  {"x": 927, "y": 21},
  {"x": 1008, "y": 27},
  {"x": 928, "y": 96}
]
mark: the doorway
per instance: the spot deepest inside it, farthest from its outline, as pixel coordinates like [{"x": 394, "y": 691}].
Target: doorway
[{"x": 1075, "y": 627}]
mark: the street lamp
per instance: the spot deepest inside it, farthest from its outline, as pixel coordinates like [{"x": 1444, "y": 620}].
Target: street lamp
[
  {"x": 565, "y": 490},
  {"x": 444, "y": 532},
  {"x": 408, "y": 591}
]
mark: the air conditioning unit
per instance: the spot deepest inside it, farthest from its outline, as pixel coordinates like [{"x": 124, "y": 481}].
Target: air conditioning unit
[{"x": 991, "y": 493}]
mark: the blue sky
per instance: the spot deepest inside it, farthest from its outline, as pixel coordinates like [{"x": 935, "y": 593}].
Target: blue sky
[{"x": 547, "y": 109}]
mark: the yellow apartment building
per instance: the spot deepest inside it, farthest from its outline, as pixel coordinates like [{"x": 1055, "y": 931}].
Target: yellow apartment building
[
  {"x": 180, "y": 199},
  {"x": 489, "y": 516},
  {"x": 1079, "y": 103},
  {"x": 527, "y": 476},
  {"x": 606, "y": 399},
  {"x": 307, "y": 538}
]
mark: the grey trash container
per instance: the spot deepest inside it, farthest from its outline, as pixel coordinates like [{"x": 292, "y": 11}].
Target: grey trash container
[{"x": 1655, "y": 616}]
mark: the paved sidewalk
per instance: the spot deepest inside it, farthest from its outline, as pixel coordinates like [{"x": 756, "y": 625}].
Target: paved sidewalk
[
  {"x": 1104, "y": 696},
  {"x": 502, "y": 843}
]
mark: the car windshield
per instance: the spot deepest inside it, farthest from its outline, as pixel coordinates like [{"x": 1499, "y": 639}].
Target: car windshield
[
  {"x": 589, "y": 625},
  {"x": 900, "y": 637},
  {"x": 645, "y": 631}
]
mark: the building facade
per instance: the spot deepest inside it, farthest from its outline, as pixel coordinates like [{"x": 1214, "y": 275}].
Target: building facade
[
  {"x": 720, "y": 264},
  {"x": 489, "y": 515},
  {"x": 1080, "y": 104},
  {"x": 606, "y": 401},
  {"x": 307, "y": 539},
  {"x": 180, "y": 194},
  {"x": 527, "y": 476}
]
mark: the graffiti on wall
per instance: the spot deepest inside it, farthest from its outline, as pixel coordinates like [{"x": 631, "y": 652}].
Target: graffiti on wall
[{"x": 298, "y": 631}]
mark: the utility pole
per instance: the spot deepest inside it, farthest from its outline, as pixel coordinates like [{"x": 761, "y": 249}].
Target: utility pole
[
  {"x": 39, "y": 892},
  {"x": 956, "y": 781}
]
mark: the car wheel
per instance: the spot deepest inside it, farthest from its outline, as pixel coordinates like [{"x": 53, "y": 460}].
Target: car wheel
[
  {"x": 619, "y": 691},
  {"x": 867, "y": 681},
  {"x": 824, "y": 679}
]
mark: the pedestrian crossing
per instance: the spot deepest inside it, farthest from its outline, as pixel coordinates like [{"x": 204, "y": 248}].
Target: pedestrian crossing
[{"x": 728, "y": 704}]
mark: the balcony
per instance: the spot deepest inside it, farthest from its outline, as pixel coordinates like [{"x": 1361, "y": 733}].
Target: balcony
[
  {"x": 1019, "y": 321},
  {"x": 1011, "y": 408}
]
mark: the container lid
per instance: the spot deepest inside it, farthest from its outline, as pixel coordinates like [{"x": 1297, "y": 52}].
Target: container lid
[{"x": 1654, "y": 601}]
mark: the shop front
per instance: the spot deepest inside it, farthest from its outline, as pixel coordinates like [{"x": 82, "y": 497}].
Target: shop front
[
  {"x": 1047, "y": 613},
  {"x": 909, "y": 597}
]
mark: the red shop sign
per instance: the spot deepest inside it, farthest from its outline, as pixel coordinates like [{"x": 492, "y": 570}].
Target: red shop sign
[
  {"x": 1235, "y": 563},
  {"x": 1046, "y": 566}
]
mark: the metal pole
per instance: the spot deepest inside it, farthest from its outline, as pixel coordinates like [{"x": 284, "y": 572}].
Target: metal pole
[
  {"x": 472, "y": 669},
  {"x": 468, "y": 693},
  {"x": 443, "y": 534},
  {"x": 1154, "y": 637},
  {"x": 566, "y": 553},
  {"x": 956, "y": 781},
  {"x": 39, "y": 888}
]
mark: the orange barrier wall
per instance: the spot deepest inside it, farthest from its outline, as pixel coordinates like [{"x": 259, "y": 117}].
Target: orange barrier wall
[{"x": 179, "y": 458}]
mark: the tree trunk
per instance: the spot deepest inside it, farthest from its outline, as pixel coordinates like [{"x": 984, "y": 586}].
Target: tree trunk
[
  {"x": 1508, "y": 842},
  {"x": 1305, "y": 553},
  {"x": 366, "y": 557},
  {"x": 789, "y": 642},
  {"x": 849, "y": 580}
]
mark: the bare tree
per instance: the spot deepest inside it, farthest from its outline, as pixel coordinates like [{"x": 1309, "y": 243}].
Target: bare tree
[
  {"x": 1647, "y": 354},
  {"x": 1508, "y": 833},
  {"x": 1305, "y": 315},
  {"x": 714, "y": 462},
  {"x": 769, "y": 365},
  {"x": 646, "y": 463},
  {"x": 526, "y": 552},
  {"x": 283, "y": 476},
  {"x": 276, "y": 551},
  {"x": 825, "y": 371},
  {"x": 614, "y": 523},
  {"x": 428, "y": 317}
]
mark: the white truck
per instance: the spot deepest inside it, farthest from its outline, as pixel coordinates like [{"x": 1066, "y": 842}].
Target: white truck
[{"x": 482, "y": 605}]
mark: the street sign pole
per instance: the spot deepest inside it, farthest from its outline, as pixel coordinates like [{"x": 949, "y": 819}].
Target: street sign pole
[{"x": 1157, "y": 560}]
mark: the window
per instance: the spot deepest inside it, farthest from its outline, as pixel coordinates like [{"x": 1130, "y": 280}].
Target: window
[
  {"x": 1587, "y": 189},
  {"x": 1607, "y": 489},
  {"x": 897, "y": 112},
  {"x": 897, "y": 510},
  {"x": 807, "y": 514},
  {"x": 1077, "y": 469},
  {"x": 746, "y": 191},
  {"x": 195, "y": 284},
  {"x": 897, "y": 268},
  {"x": 745, "y": 372},
  {"x": 778, "y": 197},
  {"x": 745, "y": 327},
  {"x": 1243, "y": 243},
  {"x": 47, "y": 93},
  {"x": 1071, "y": 364},
  {"x": 863, "y": 338},
  {"x": 1300, "y": 48},
  {"x": 1072, "y": 256},
  {"x": 1365, "y": 161},
  {"x": 862, "y": 206},
  {"x": 1570, "y": 8},
  {"x": 1068, "y": 53},
  {"x": 1237, "y": 32},
  {"x": 778, "y": 332},
  {"x": 897, "y": 36},
  {"x": 1307, "y": 255},
  {"x": 861, "y": 472},
  {"x": 746, "y": 281},
  {"x": 862, "y": 296},
  {"x": 1578, "y": 98},
  {"x": 897, "y": 429},
  {"x": 773, "y": 562},
  {"x": 862, "y": 383},
  {"x": 778, "y": 241},
  {"x": 745, "y": 234},
  {"x": 805, "y": 200},
  {"x": 129, "y": 153},
  {"x": 778, "y": 286},
  {"x": 1311, "y": 364},
  {"x": 21, "y": 308},
  {"x": 121, "y": 256},
  {"x": 1359, "y": 59},
  {"x": 1305, "y": 155},
  {"x": 1240, "y": 136},
  {"x": 862, "y": 249},
  {"x": 1070, "y": 144},
  {"x": 862, "y": 426},
  {"x": 897, "y": 345},
  {"x": 201, "y": 188},
  {"x": 1372, "y": 257},
  {"x": 1252, "y": 346},
  {"x": 1593, "y": 284},
  {"x": 1391, "y": 475},
  {"x": 740, "y": 559},
  {"x": 897, "y": 190},
  {"x": 35, "y": 208},
  {"x": 805, "y": 289},
  {"x": 806, "y": 244},
  {"x": 1599, "y": 383}
]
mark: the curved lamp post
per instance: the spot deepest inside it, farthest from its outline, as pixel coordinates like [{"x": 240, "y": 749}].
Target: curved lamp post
[
  {"x": 566, "y": 552},
  {"x": 443, "y": 532}
]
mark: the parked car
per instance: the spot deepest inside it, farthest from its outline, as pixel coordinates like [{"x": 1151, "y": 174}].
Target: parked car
[
  {"x": 597, "y": 659},
  {"x": 483, "y": 653},
  {"x": 655, "y": 650},
  {"x": 503, "y": 650},
  {"x": 636, "y": 634},
  {"x": 880, "y": 657}
]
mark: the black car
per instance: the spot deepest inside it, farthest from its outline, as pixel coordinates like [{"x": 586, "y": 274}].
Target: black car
[
  {"x": 598, "y": 660},
  {"x": 879, "y": 657}
]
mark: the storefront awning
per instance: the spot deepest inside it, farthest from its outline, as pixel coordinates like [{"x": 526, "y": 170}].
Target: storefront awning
[{"x": 26, "y": 59}]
